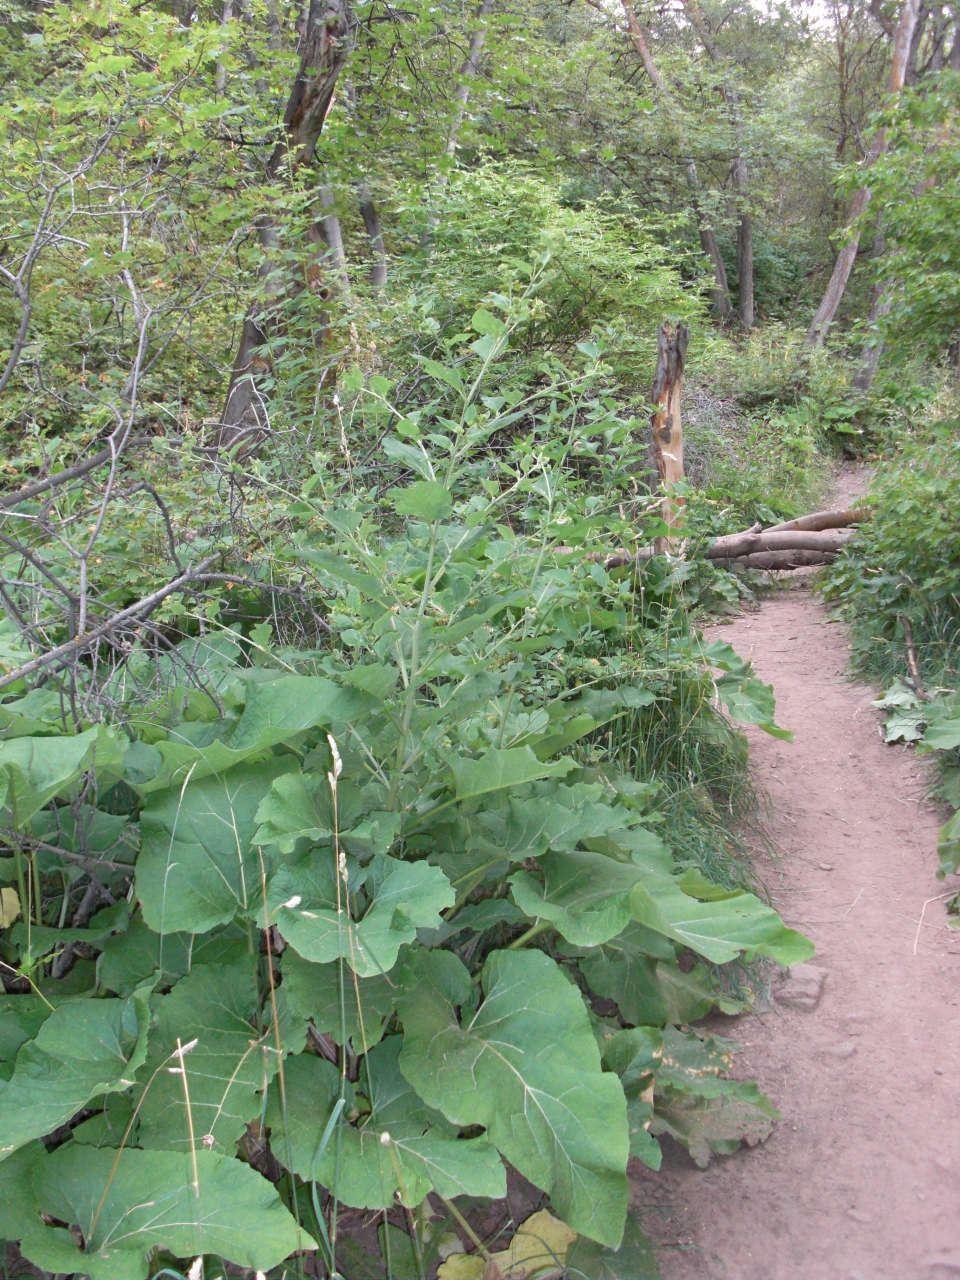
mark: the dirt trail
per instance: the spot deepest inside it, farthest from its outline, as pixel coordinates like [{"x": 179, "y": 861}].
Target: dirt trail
[{"x": 861, "y": 1180}]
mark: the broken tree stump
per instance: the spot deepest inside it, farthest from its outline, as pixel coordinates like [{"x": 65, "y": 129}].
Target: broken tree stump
[{"x": 667, "y": 424}]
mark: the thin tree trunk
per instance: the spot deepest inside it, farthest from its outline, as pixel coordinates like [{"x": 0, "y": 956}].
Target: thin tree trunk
[
  {"x": 741, "y": 180},
  {"x": 708, "y": 238},
  {"x": 666, "y": 423},
  {"x": 323, "y": 52},
  {"x": 833, "y": 295},
  {"x": 221, "y": 80},
  {"x": 720, "y": 293},
  {"x": 378, "y": 248},
  {"x": 953, "y": 61},
  {"x": 741, "y": 177},
  {"x": 871, "y": 354},
  {"x": 468, "y": 72},
  {"x": 332, "y": 237}
]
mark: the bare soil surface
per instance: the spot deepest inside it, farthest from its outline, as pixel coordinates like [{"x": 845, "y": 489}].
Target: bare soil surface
[{"x": 861, "y": 1179}]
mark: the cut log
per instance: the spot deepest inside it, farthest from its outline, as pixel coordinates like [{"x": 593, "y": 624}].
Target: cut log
[
  {"x": 820, "y": 520},
  {"x": 777, "y": 560},
  {"x": 742, "y": 544},
  {"x": 809, "y": 540}
]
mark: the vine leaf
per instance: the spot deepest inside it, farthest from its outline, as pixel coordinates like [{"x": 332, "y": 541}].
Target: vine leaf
[
  {"x": 83, "y": 1049},
  {"x": 423, "y": 1152},
  {"x": 404, "y": 896},
  {"x": 526, "y": 1067},
  {"x": 427, "y": 500},
  {"x": 149, "y": 1202},
  {"x": 197, "y": 867}
]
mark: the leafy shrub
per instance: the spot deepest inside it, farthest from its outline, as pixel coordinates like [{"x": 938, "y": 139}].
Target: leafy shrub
[{"x": 382, "y": 914}]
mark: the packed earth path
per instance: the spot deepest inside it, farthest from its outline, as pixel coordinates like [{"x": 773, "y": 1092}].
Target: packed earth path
[{"x": 860, "y": 1179}]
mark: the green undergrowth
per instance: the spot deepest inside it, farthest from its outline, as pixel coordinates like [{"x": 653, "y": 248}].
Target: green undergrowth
[
  {"x": 344, "y": 914},
  {"x": 898, "y": 585}
]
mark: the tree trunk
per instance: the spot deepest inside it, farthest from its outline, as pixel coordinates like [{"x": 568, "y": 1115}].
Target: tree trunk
[
  {"x": 666, "y": 423},
  {"x": 221, "y": 80},
  {"x": 332, "y": 237},
  {"x": 468, "y": 72},
  {"x": 720, "y": 294},
  {"x": 741, "y": 180},
  {"x": 323, "y": 53},
  {"x": 837, "y": 284},
  {"x": 870, "y": 356},
  {"x": 740, "y": 173},
  {"x": 378, "y": 248}
]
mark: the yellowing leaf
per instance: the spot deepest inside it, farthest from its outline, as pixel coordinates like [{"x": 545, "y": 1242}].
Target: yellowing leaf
[
  {"x": 9, "y": 907},
  {"x": 540, "y": 1242},
  {"x": 462, "y": 1266}
]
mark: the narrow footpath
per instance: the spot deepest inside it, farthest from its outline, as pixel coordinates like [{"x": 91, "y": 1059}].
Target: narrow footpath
[{"x": 861, "y": 1180}]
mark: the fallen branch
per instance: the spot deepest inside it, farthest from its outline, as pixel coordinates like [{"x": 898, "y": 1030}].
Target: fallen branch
[
  {"x": 915, "y": 676},
  {"x": 777, "y": 560},
  {"x": 735, "y": 545},
  {"x": 817, "y": 546},
  {"x": 820, "y": 520}
]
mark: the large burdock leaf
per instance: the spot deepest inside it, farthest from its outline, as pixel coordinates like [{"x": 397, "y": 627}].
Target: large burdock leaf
[
  {"x": 197, "y": 868},
  {"x": 745, "y": 696},
  {"x": 34, "y": 770},
  {"x": 83, "y": 1049},
  {"x": 149, "y": 1201},
  {"x": 558, "y": 817},
  {"x": 948, "y": 847},
  {"x": 585, "y": 895},
  {"x": 697, "y": 1106},
  {"x": 718, "y": 930},
  {"x": 335, "y": 1000},
  {"x": 212, "y": 1008},
  {"x": 277, "y": 711},
  {"x": 498, "y": 769},
  {"x": 399, "y": 1145},
  {"x": 527, "y": 1068},
  {"x": 297, "y": 806},
  {"x": 403, "y": 897},
  {"x": 637, "y": 969}
]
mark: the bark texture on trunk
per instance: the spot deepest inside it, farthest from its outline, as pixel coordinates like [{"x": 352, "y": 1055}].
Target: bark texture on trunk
[
  {"x": 324, "y": 48},
  {"x": 741, "y": 180},
  {"x": 836, "y": 286},
  {"x": 871, "y": 356},
  {"x": 720, "y": 294},
  {"x": 778, "y": 560},
  {"x": 332, "y": 237},
  {"x": 374, "y": 230},
  {"x": 666, "y": 423}
]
